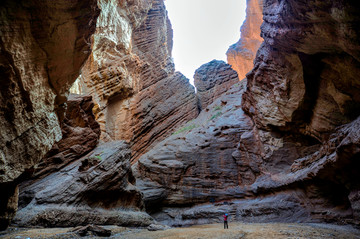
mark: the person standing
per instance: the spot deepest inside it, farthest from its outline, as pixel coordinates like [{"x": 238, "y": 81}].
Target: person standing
[{"x": 226, "y": 226}]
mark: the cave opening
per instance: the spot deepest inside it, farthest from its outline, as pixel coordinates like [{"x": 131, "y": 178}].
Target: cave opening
[{"x": 203, "y": 30}]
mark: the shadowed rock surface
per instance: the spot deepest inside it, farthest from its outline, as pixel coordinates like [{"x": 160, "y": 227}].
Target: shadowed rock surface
[
  {"x": 43, "y": 46},
  {"x": 98, "y": 189},
  {"x": 305, "y": 74},
  {"x": 195, "y": 165},
  {"x": 80, "y": 135}
]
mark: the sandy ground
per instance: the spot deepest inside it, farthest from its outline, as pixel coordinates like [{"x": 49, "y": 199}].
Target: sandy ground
[{"x": 236, "y": 230}]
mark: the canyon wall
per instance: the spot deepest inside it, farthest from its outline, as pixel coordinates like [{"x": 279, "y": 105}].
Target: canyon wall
[
  {"x": 281, "y": 145},
  {"x": 80, "y": 135},
  {"x": 241, "y": 55},
  {"x": 130, "y": 74},
  {"x": 305, "y": 74},
  {"x": 139, "y": 98},
  {"x": 43, "y": 46},
  {"x": 295, "y": 158}
]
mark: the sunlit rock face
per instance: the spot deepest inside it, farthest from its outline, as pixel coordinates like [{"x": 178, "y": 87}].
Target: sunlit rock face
[
  {"x": 241, "y": 55},
  {"x": 212, "y": 80},
  {"x": 305, "y": 74},
  {"x": 43, "y": 46},
  {"x": 131, "y": 75}
]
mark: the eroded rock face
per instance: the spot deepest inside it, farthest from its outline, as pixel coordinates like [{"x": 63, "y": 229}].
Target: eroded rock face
[
  {"x": 43, "y": 46},
  {"x": 305, "y": 74},
  {"x": 80, "y": 135},
  {"x": 336, "y": 168},
  {"x": 212, "y": 80},
  {"x": 241, "y": 55},
  {"x": 297, "y": 162},
  {"x": 131, "y": 75},
  {"x": 94, "y": 189}
]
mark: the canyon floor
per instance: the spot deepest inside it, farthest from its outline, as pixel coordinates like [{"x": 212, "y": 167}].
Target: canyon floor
[{"x": 236, "y": 230}]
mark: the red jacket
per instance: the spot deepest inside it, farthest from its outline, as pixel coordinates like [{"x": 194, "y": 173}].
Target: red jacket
[{"x": 225, "y": 218}]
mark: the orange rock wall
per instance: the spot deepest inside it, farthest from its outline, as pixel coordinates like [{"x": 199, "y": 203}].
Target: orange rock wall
[{"x": 241, "y": 55}]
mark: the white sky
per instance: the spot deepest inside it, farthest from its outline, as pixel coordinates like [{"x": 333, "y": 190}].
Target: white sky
[{"x": 203, "y": 30}]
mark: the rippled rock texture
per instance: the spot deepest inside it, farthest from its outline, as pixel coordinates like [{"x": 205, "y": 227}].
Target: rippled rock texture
[
  {"x": 43, "y": 46},
  {"x": 130, "y": 73},
  {"x": 241, "y": 55},
  {"x": 195, "y": 164},
  {"x": 97, "y": 189}
]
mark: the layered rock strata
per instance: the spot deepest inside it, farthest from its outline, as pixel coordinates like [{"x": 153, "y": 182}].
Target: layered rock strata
[
  {"x": 43, "y": 46},
  {"x": 80, "y": 135},
  {"x": 131, "y": 76},
  {"x": 241, "y": 55},
  {"x": 297, "y": 162},
  {"x": 97, "y": 189},
  {"x": 212, "y": 80},
  {"x": 195, "y": 164}
]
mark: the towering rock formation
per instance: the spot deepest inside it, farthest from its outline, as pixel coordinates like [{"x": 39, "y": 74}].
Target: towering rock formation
[
  {"x": 195, "y": 164},
  {"x": 298, "y": 161},
  {"x": 43, "y": 46},
  {"x": 304, "y": 86},
  {"x": 139, "y": 98},
  {"x": 285, "y": 150},
  {"x": 305, "y": 75},
  {"x": 241, "y": 55},
  {"x": 131, "y": 75}
]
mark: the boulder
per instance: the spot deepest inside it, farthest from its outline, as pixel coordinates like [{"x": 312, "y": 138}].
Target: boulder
[{"x": 98, "y": 188}]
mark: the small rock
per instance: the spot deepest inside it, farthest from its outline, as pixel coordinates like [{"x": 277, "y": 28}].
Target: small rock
[
  {"x": 96, "y": 230},
  {"x": 157, "y": 227}
]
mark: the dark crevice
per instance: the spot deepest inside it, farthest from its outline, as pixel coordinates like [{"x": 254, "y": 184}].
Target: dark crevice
[{"x": 312, "y": 68}]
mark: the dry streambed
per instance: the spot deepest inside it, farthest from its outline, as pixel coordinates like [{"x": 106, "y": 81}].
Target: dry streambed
[{"x": 236, "y": 230}]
